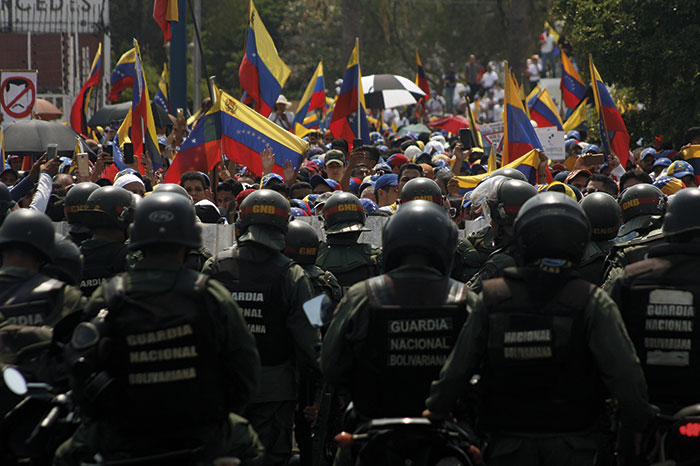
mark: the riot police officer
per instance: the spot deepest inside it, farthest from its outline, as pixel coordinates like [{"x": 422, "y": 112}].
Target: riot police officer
[
  {"x": 350, "y": 261},
  {"x": 27, "y": 296},
  {"x": 546, "y": 345},
  {"x": 503, "y": 204},
  {"x": 67, "y": 264},
  {"x": 391, "y": 334},
  {"x": 109, "y": 213},
  {"x": 421, "y": 189},
  {"x": 6, "y": 202},
  {"x": 166, "y": 357},
  {"x": 657, "y": 299},
  {"x": 271, "y": 290},
  {"x": 604, "y": 215},
  {"x": 74, "y": 205},
  {"x": 643, "y": 206}
]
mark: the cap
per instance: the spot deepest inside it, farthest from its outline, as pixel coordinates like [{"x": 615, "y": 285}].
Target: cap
[
  {"x": 265, "y": 180},
  {"x": 397, "y": 160},
  {"x": 128, "y": 179},
  {"x": 369, "y": 205},
  {"x": 334, "y": 156},
  {"x": 412, "y": 152},
  {"x": 669, "y": 185},
  {"x": 679, "y": 169},
  {"x": 647, "y": 152},
  {"x": 318, "y": 179},
  {"x": 428, "y": 171},
  {"x": 569, "y": 143},
  {"x": 310, "y": 165},
  {"x": 576, "y": 173},
  {"x": 662, "y": 162},
  {"x": 390, "y": 179},
  {"x": 592, "y": 149},
  {"x": 573, "y": 134}
]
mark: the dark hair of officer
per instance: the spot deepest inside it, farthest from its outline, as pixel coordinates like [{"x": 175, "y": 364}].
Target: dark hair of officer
[
  {"x": 419, "y": 230},
  {"x": 421, "y": 189},
  {"x": 165, "y": 218},
  {"x": 642, "y": 199},
  {"x": 67, "y": 264},
  {"x": 682, "y": 219},
  {"x": 76, "y": 201},
  {"x": 28, "y": 233},
  {"x": 343, "y": 213},
  {"x": 301, "y": 243},
  {"x": 604, "y": 214},
  {"x": 551, "y": 225},
  {"x": 109, "y": 207}
]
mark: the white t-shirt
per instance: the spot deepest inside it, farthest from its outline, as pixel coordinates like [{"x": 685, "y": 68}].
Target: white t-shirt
[
  {"x": 277, "y": 118},
  {"x": 547, "y": 43},
  {"x": 489, "y": 79},
  {"x": 534, "y": 71}
]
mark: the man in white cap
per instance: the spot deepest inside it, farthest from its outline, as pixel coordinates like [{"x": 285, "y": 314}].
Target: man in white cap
[{"x": 281, "y": 116}]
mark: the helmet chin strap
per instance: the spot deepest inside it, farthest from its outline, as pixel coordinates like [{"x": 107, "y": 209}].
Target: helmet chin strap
[{"x": 550, "y": 265}]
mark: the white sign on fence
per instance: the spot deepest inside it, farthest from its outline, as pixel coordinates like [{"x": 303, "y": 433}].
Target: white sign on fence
[{"x": 552, "y": 142}]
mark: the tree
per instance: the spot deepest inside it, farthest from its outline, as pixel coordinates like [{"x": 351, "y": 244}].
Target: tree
[{"x": 648, "y": 48}]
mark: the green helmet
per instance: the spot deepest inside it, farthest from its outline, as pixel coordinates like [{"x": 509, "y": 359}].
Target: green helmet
[
  {"x": 506, "y": 199},
  {"x": 76, "y": 200},
  {"x": 165, "y": 218},
  {"x": 551, "y": 225},
  {"x": 301, "y": 242},
  {"x": 421, "y": 189},
  {"x": 343, "y": 213},
  {"x": 512, "y": 173},
  {"x": 264, "y": 218},
  {"x": 642, "y": 199},
  {"x": 603, "y": 213},
  {"x": 171, "y": 188},
  {"x": 67, "y": 264},
  {"x": 31, "y": 228},
  {"x": 109, "y": 207},
  {"x": 6, "y": 201},
  {"x": 420, "y": 227},
  {"x": 682, "y": 214}
]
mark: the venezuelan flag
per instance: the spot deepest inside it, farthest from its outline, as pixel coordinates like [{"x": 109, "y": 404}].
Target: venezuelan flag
[
  {"x": 143, "y": 128},
  {"x": 577, "y": 117},
  {"x": 573, "y": 89},
  {"x": 691, "y": 155},
  {"x": 161, "y": 97},
  {"x": 344, "y": 121},
  {"x": 165, "y": 12},
  {"x": 314, "y": 97},
  {"x": 232, "y": 128},
  {"x": 613, "y": 133},
  {"x": 476, "y": 133},
  {"x": 123, "y": 75},
  {"x": 262, "y": 72},
  {"x": 527, "y": 164},
  {"x": 421, "y": 79},
  {"x": 543, "y": 111},
  {"x": 78, "y": 113},
  {"x": 519, "y": 136}
]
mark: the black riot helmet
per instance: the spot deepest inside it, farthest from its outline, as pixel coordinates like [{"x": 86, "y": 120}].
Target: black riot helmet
[
  {"x": 421, "y": 189},
  {"x": 67, "y": 264},
  {"x": 6, "y": 201},
  {"x": 420, "y": 227},
  {"x": 301, "y": 242},
  {"x": 506, "y": 199},
  {"x": 604, "y": 214},
  {"x": 171, "y": 188},
  {"x": 551, "y": 225},
  {"x": 513, "y": 173},
  {"x": 683, "y": 215},
  {"x": 109, "y": 207},
  {"x": 642, "y": 199},
  {"x": 76, "y": 200},
  {"x": 30, "y": 228},
  {"x": 343, "y": 213},
  {"x": 264, "y": 218},
  {"x": 165, "y": 218}
]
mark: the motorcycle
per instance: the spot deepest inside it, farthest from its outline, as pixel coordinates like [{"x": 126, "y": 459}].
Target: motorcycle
[
  {"x": 679, "y": 443},
  {"x": 409, "y": 441}
]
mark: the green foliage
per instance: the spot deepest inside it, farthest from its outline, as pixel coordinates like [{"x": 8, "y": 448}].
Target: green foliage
[{"x": 649, "y": 50}]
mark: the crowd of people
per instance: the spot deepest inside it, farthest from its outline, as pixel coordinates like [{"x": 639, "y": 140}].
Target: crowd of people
[{"x": 579, "y": 289}]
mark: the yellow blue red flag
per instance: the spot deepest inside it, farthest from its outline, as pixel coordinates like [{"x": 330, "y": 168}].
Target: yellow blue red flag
[
  {"x": 123, "y": 75},
  {"x": 78, "y": 113},
  {"x": 314, "y": 97},
  {"x": 527, "y": 164},
  {"x": 262, "y": 72},
  {"x": 349, "y": 119},
  {"x": 573, "y": 89},
  {"x": 143, "y": 127},
  {"x": 421, "y": 79},
  {"x": 519, "y": 137},
  {"x": 165, "y": 12},
  {"x": 161, "y": 97},
  {"x": 234, "y": 129},
  {"x": 577, "y": 117},
  {"x": 544, "y": 111}
]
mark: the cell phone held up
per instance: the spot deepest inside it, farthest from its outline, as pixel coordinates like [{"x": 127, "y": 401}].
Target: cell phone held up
[
  {"x": 51, "y": 151},
  {"x": 128, "y": 153},
  {"x": 590, "y": 160},
  {"x": 465, "y": 137}
]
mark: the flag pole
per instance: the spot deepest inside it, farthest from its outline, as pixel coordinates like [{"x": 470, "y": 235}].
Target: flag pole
[
  {"x": 359, "y": 87},
  {"x": 201, "y": 52}
]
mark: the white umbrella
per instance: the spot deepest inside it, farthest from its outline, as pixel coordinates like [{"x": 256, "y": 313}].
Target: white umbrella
[{"x": 389, "y": 91}]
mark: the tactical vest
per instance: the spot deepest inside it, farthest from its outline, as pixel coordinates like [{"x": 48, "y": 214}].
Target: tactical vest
[
  {"x": 100, "y": 264},
  {"x": 163, "y": 356},
  {"x": 659, "y": 307},
  {"x": 323, "y": 282},
  {"x": 538, "y": 375},
  {"x": 258, "y": 290},
  {"x": 36, "y": 301},
  {"x": 350, "y": 263},
  {"x": 409, "y": 339}
]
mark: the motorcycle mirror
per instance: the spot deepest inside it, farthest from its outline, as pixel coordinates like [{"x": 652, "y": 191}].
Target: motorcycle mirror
[
  {"x": 319, "y": 310},
  {"x": 14, "y": 381}
]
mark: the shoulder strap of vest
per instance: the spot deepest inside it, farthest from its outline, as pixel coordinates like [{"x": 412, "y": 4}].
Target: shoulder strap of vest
[
  {"x": 637, "y": 270},
  {"x": 379, "y": 290},
  {"x": 495, "y": 290},
  {"x": 576, "y": 293}
]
